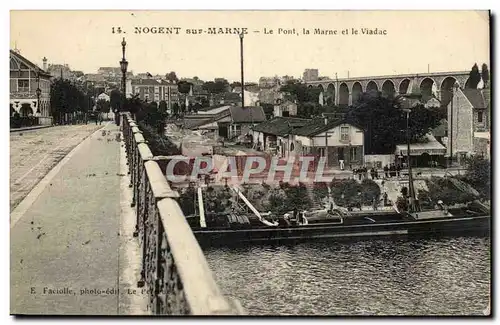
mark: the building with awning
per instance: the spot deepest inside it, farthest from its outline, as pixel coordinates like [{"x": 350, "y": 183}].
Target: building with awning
[{"x": 427, "y": 153}]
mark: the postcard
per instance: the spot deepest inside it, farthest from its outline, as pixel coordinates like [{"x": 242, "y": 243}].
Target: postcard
[{"x": 251, "y": 163}]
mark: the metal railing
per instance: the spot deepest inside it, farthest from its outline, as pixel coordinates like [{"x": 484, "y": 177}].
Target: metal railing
[{"x": 174, "y": 270}]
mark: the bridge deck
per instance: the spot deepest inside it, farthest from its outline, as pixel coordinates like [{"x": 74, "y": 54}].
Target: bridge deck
[{"x": 69, "y": 237}]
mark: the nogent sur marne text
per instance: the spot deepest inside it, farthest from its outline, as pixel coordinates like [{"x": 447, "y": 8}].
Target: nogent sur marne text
[{"x": 145, "y": 30}]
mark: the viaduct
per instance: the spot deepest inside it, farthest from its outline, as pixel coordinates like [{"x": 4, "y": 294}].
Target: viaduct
[{"x": 346, "y": 91}]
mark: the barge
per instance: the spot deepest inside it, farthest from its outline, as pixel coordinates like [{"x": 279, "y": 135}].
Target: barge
[{"x": 224, "y": 230}]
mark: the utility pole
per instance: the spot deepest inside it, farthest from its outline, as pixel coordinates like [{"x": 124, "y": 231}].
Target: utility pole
[
  {"x": 410, "y": 176},
  {"x": 242, "y": 73}
]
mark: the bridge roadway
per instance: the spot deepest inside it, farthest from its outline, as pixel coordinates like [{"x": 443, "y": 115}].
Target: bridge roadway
[{"x": 66, "y": 234}]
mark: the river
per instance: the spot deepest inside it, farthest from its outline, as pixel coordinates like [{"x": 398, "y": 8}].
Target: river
[{"x": 447, "y": 276}]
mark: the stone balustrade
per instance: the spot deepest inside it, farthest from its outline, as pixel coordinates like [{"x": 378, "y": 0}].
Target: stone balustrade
[{"x": 174, "y": 270}]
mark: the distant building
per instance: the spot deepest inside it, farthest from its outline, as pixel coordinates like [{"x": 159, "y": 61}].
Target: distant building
[
  {"x": 155, "y": 90},
  {"x": 58, "y": 70},
  {"x": 269, "y": 82},
  {"x": 25, "y": 78},
  {"x": 226, "y": 98},
  {"x": 110, "y": 71},
  {"x": 270, "y": 96},
  {"x": 285, "y": 108},
  {"x": 94, "y": 77},
  {"x": 310, "y": 75}
]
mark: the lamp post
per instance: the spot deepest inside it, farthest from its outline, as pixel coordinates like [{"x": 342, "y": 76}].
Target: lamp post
[
  {"x": 123, "y": 67},
  {"x": 38, "y": 92}
]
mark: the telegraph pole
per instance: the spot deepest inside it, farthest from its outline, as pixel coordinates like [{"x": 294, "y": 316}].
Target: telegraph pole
[{"x": 242, "y": 73}]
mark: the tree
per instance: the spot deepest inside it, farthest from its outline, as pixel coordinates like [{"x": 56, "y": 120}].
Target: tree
[
  {"x": 485, "y": 74},
  {"x": 216, "y": 87},
  {"x": 300, "y": 92},
  {"x": 235, "y": 84},
  {"x": 115, "y": 99},
  {"x": 65, "y": 98},
  {"x": 474, "y": 77},
  {"x": 184, "y": 87},
  {"x": 384, "y": 122},
  {"x": 171, "y": 76},
  {"x": 133, "y": 105}
]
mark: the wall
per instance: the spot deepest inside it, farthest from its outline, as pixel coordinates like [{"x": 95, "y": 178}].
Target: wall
[
  {"x": 371, "y": 160},
  {"x": 462, "y": 125},
  {"x": 305, "y": 141},
  {"x": 355, "y": 135}
]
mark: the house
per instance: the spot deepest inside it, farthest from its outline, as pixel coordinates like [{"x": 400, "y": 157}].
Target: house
[
  {"x": 207, "y": 118},
  {"x": 337, "y": 140},
  {"x": 25, "y": 78},
  {"x": 469, "y": 124},
  {"x": 240, "y": 121},
  {"x": 273, "y": 136}
]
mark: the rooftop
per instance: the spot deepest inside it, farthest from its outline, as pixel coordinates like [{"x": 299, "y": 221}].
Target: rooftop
[
  {"x": 318, "y": 126},
  {"x": 476, "y": 97},
  {"x": 247, "y": 115},
  {"x": 281, "y": 125}
]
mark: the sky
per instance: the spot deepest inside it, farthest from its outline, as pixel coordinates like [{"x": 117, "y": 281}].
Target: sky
[{"x": 414, "y": 41}]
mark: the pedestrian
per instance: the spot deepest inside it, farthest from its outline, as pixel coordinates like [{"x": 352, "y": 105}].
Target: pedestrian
[
  {"x": 376, "y": 173},
  {"x": 398, "y": 170},
  {"x": 386, "y": 171},
  {"x": 385, "y": 199},
  {"x": 341, "y": 162},
  {"x": 375, "y": 204}
]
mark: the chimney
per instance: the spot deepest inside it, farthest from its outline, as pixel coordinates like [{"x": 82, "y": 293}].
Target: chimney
[{"x": 44, "y": 63}]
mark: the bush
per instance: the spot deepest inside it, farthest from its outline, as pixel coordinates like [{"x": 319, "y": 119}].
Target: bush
[
  {"x": 443, "y": 189},
  {"x": 479, "y": 175},
  {"x": 348, "y": 192},
  {"x": 320, "y": 190},
  {"x": 159, "y": 144},
  {"x": 186, "y": 200}
]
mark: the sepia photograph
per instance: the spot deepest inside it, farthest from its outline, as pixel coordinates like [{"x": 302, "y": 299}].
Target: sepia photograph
[{"x": 250, "y": 163}]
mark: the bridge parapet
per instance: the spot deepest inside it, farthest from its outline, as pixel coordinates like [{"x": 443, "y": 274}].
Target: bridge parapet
[{"x": 174, "y": 270}]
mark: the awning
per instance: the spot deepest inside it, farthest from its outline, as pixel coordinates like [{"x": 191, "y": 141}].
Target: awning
[{"x": 432, "y": 147}]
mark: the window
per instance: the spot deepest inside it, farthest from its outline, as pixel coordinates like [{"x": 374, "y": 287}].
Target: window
[
  {"x": 344, "y": 133},
  {"x": 321, "y": 152},
  {"x": 23, "y": 85},
  {"x": 352, "y": 153},
  {"x": 480, "y": 117},
  {"x": 292, "y": 146}
]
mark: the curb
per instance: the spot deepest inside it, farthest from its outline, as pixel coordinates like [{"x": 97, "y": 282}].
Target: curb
[{"x": 31, "y": 128}]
